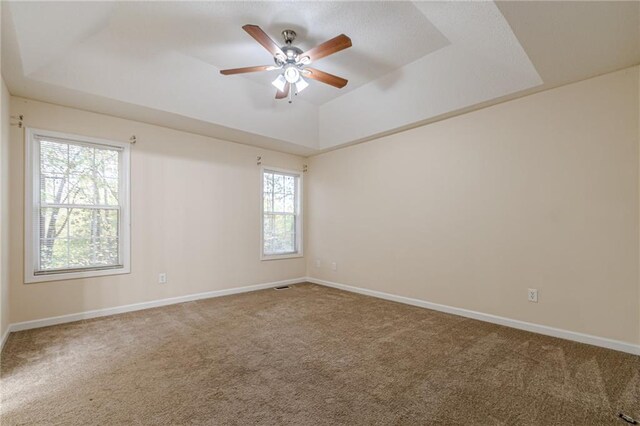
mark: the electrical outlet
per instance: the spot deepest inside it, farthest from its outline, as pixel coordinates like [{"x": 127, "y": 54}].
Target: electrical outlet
[
  {"x": 162, "y": 278},
  {"x": 334, "y": 266},
  {"x": 532, "y": 295},
  {"x": 318, "y": 263}
]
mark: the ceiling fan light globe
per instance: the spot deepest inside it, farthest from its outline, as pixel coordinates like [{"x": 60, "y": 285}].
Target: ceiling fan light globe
[
  {"x": 279, "y": 83},
  {"x": 301, "y": 84},
  {"x": 291, "y": 74}
]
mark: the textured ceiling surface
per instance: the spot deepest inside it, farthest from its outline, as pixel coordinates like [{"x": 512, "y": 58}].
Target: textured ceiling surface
[
  {"x": 569, "y": 41},
  {"x": 410, "y": 62},
  {"x": 386, "y": 36}
]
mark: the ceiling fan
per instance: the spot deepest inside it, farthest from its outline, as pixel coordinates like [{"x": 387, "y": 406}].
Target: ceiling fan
[{"x": 293, "y": 62}]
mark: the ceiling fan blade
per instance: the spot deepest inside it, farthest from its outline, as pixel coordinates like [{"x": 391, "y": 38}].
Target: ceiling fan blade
[
  {"x": 266, "y": 41},
  {"x": 327, "y": 48},
  {"x": 284, "y": 93},
  {"x": 247, "y": 69},
  {"x": 325, "y": 77}
]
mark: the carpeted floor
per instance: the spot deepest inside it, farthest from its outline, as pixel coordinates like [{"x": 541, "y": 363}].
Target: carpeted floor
[{"x": 307, "y": 355}]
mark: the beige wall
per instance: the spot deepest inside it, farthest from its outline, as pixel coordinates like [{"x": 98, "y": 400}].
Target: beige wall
[
  {"x": 195, "y": 206},
  {"x": 4, "y": 208},
  {"x": 541, "y": 192}
]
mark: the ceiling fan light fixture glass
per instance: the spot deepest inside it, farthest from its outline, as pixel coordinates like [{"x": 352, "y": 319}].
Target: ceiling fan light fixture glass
[
  {"x": 279, "y": 83},
  {"x": 301, "y": 85},
  {"x": 291, "y": 74}
]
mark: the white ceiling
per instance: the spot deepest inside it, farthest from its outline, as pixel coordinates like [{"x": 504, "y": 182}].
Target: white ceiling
[
  {"x": 410, "y": 63},
  {"x": 571, "y": 40}
]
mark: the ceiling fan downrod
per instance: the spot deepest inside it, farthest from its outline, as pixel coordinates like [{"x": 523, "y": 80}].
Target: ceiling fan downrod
[{"x": 289, "y": 36}]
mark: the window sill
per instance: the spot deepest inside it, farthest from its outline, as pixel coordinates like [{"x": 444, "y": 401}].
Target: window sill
[
  {"x": 281, "y": 256},
  {"x": 75, "y": 275}
]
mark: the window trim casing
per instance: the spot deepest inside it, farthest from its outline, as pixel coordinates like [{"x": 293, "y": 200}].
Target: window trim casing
[
  {"x": 299, "y": 221},
  {"x": 31, "y": 200}
]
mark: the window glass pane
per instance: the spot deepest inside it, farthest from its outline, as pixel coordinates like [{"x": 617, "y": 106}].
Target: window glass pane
[
  {"x": 107, "y": 163},
  {"x": 53, "y": 171},
  {"x": 106, "y": 177},
  {"x": 268, "y": 182},
  {"x": 93, "y": 176},
  {"x": 279, "y": 235},
  {"x": 92, "y": 189},
  {"x": 289, "y": 185},
  {"x": 80, "y": 189},
  {"x": 53, "y": 188},
  {"x": 278, "y": 202},
  {"x": 268, "y": 202},
  {"x": 81, "y": 160},
  {"x": 77, "y": 176},
  {"x": 280, "y": 210},
  {"x": 53, "y": 158},
  {"x": 80, "y": 252},
  {"x": 54, "y": 226},
  {"x": 269, "y": 239},
  {"x": 93, "y": 223},
  {"x": 289, "y": 203},
  {"x": 105, "y": 251},
  {"x": 87, "y": 252},
  {"x": 53, "y": 254},
  {"x": 278, "y": 184},
  {"x": 76, "y": 237}
]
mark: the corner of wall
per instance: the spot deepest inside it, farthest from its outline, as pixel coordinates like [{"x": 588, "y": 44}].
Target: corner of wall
[
  {"x": 5, "y": 119},
  {"x": 637, "y": 70}
]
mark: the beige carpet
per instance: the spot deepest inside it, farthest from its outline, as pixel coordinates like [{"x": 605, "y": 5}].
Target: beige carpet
[{"x": 307, "y": 355}]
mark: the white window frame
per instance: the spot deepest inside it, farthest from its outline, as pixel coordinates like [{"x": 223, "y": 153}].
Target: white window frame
[
  {"x": 32, "y": 211},
  {"x": 299, "y": 218}
]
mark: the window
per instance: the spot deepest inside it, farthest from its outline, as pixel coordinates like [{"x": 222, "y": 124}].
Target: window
[
  {"x": 281, "y": 219},
  {"x": 77, "y": 207}
]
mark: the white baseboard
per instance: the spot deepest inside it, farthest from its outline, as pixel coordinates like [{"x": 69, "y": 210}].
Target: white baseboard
[
  {"x": 44, "y": 322},
  {"x": 521, "y": 325},
  {"x": 508, "y": 322}
]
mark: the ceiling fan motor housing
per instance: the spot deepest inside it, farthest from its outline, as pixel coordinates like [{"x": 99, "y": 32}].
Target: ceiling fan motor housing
[
  {"x": 291, "y": 55},
  {"x": 291, "y": 52}
]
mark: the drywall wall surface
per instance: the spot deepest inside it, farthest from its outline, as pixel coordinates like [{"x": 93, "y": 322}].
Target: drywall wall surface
[
  {"x": 4, "y": 208},
  {"x": 541, "y": 192},
  {"x": 195, "y": 215}
]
